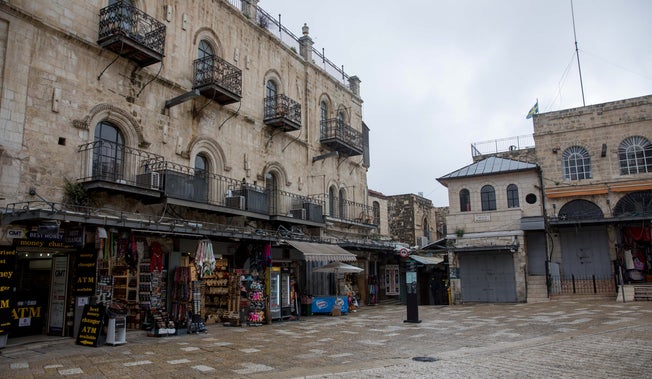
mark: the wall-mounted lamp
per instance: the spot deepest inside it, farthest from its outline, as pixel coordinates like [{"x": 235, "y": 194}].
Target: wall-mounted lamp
[{"x": 555, "y": 150}]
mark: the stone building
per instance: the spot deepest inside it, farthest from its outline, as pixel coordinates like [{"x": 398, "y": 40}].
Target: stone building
[
  {"x": 412, "y": 219},
  {"x": 133, "y": 124},
  {"x": 490, "y": 201},
  {"x": 584, "y": 227},
  {"x": 597, "y": 179}
]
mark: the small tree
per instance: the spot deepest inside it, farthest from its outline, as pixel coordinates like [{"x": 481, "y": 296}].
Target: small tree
[{"x": 75, "y": 194}]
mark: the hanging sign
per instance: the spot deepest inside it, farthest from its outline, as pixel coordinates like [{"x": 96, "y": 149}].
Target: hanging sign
[
  {"x": 86, "y": 272},
  {"x": 7, "y": 284},
  {"x": 91, "y": 325}
]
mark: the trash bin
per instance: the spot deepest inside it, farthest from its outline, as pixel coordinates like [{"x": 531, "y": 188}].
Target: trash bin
[{"x": 306, "y": 305}]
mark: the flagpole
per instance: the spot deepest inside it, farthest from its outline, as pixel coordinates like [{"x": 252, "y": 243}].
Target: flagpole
[{"x": 577, "y": 53}]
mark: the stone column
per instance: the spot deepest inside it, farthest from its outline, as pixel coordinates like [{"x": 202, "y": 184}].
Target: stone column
[
  {"x": 305, "y": 44},
  {"x": 354, "y": 85},
  {"x": 250, "y": 9}
]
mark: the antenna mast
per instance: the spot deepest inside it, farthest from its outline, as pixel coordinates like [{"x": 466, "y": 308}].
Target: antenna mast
[{"x": 577, "y": 53}]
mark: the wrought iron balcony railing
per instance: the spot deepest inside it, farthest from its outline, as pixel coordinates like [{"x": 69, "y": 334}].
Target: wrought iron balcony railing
[
  {"x": 282, "y": 112},
  {"x": 114, "y": 167},
  {"x": 217, "y": 79},
  {"x": 108, "y": 162},
  {"x": 344, "y": 210},
  {"x": 341, "y": 137},
  {"x": 131, "y": 33}
]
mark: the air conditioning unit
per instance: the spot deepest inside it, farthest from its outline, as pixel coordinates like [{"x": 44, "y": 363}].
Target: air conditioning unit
[
  {"x": 149, "y": 180},
  {"x": 237, "y": 202},
  {"x": 298, "y": 213},
  {"x": 423, "y": 241}
]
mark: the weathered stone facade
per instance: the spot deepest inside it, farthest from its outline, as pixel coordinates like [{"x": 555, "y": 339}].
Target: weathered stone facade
[
  {"x": 412, "y": 219},
  {"x": 58, "y": 84},
  {"x": 597, "y": 179},
  {"x": 478, "y": 232}
]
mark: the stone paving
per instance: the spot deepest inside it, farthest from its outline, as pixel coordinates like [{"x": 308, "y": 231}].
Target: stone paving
[{"x": 559, "y": 339}]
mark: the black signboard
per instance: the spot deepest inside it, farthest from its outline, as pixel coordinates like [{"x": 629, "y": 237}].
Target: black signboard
[
  {"x": 85, "y": 273},
  {"x": 7, "y": 283},
  {"x": 91, "y": 325}
]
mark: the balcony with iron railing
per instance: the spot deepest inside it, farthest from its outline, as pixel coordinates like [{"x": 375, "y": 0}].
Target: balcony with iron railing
[
  {"x": 115, "y": 168},
  {"x": 340, "y": 137},
  {"x": 283, "y": 113},
  {"x": 346, "y": 211},
  {"x": 131, "y": 33},
  {"x": 217, "y": 79}
]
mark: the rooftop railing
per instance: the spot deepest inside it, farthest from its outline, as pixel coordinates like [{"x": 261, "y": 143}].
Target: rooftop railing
[
  {"x": 265, "y": 20},
  {"x": 502, "y": 145}
]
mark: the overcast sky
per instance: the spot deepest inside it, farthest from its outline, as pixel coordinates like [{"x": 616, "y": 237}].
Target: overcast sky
[{"x": 439, "y": 75}]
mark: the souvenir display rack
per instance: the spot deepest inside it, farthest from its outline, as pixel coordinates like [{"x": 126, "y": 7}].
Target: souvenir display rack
[
  {"x": 256, "y": 302},
  {"x": 181, "y": 296},
  {"x": 216, "y": 296}
]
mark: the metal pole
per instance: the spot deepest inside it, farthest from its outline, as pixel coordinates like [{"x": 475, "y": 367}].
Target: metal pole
[{"x": 577, "y": 53}]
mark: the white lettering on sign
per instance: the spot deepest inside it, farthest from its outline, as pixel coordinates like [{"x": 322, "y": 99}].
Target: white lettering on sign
[{"x": 482, "y": 218}]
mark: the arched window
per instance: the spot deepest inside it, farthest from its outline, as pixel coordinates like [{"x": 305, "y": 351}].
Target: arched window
[
  {"x": 201, "y": 165},
  {"x": 271, "y": 102},
  {"x": 340, "y": 118},
  {"x": 200, "y": 181},
  {"x": 204, "y": 50},
  {"x": 576, "y": 163},
  {"x": 465, "y": 200},
  {"x": 376, "y": 210},
  {"x": 108, "y": 152},
  {"x": 488, "y": 198},
  {"x": 271, "y": 185},
  {"x": 635, "y": 155},
  {"x": 204, "y": 62},
  {"x": 331, "y": 201},
  {"x": 342, "y": 204},
  {"x": 512, "y": 196},
  {"x": 271, "y": 91},
  {"x": 323, "y": 117}
]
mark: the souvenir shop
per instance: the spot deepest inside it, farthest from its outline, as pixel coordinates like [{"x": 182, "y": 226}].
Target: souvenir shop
[{"x": 636, "y": 253}]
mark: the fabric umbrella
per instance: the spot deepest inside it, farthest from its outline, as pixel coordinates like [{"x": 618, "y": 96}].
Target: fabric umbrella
[{"x": 337, "y": 268}]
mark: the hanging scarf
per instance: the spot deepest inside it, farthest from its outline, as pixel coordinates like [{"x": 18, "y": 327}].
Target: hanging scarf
[{"x": 204, "y": 258}]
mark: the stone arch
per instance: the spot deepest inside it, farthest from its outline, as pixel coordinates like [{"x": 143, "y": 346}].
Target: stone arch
[
  {"x": 209, "y": 36},
  {"x": 211, "y": 150},
  {"x": 130, "y": 127},
  {"x": 580, "y": 209},
  {"x": 634, "y": 204},
  {"x": 342, "y": 109},
  {"x": 274, "y": 76},
  {"x": 329, "y": 103},
  {"x": 278, "y": 169}
]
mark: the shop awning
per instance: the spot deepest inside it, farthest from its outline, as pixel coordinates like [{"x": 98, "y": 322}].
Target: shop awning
[
  {"x": 427, "y": 260},
  {"x": 321, "y": 252}
]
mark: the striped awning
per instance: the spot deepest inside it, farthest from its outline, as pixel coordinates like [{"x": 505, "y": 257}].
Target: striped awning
[{"x": 322, "y": 252}]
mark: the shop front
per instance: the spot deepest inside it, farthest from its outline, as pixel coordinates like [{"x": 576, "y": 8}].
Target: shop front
[{"x": 37, "y": 280}]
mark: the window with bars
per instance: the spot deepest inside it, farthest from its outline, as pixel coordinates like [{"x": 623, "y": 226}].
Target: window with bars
[
  {"x": 488, "y": 198},
  {"x": 465, "y": 200},
  {"x": 576, "y": 163},
  {"x": 635, "y": 155},
  {"x": 512, "y": 196}
]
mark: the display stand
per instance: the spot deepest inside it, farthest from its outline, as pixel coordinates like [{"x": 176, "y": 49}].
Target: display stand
[
  {"x": 217, "y": 292},
  {"x": 196, "y": 324},
  {"x": 116, "y": 330},
  {"x": 256, "y": 303}
]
